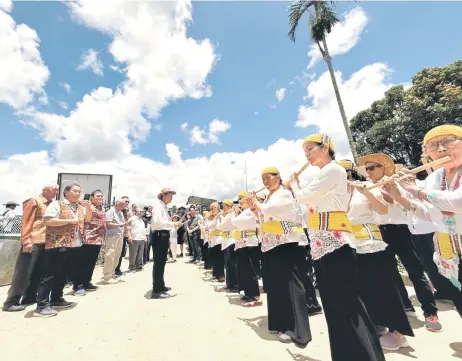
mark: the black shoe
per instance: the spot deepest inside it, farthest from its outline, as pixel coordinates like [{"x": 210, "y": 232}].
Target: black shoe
[
  {"x": 191, "y": 261},
  {"x": 62, "y": 304},
  {"x": 181, "y": 255},
  {"x": 91, "y": 287},
  {"x": 118, "y": 273},
  {"x": 166, "y": 289},
  {"x": 161, "y": 295},
  {"x": 14, "y": 308}
]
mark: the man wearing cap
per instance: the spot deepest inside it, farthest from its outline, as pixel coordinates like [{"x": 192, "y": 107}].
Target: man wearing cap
[
  {"x": 161, "y": 224},
  {"x": 29, "y": 265},
  {"x": 8, "y": 216}
]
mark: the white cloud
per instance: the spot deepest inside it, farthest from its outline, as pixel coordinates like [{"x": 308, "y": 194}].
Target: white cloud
[
  {"x": 162, "y": 67},
  {"x": 63, "y": 104},
  {"x": 358, "y": 92},
  {"x": 213, "y": 177},
  {"x": 344, "y": 35},
  {"x": 201, "y": 136},
  {"x": 272, "y": 106},
  {"x": 280, "y": 94},
  {"x": 184, "y": 127},
  {"x": 66, "y": 86},
  {"x": 23, "y": 73},
  {"x": 256, "y": 113},
  {"x": 91, "y": 60},
  {"x": 158, "y": 127}
]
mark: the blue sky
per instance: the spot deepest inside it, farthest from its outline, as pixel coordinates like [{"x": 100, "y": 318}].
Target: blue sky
[{"x": 255, "y": 58}]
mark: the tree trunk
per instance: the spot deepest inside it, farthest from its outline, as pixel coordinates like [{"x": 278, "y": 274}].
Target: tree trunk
[{"x": 328, "y": 61}]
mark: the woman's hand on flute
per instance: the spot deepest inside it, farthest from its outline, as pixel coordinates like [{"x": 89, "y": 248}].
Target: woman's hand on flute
[
  {"x": 406, "y": 180},
  {"x": 390, "y": 192},
  {"x": 294, "y": 178}
]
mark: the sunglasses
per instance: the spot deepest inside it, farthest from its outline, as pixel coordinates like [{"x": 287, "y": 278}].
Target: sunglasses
[{"x": 373, "y": 167}]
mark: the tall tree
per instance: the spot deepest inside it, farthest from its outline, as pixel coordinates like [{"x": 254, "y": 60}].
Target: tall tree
[
  {"x": 321, "y": 23},
  {"x": 396, "y": 124}
]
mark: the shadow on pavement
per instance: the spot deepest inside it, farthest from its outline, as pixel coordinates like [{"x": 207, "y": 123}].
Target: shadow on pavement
[
  {"x": 457, "y": 347},
  {"x": 402, "y": 351},
  {"x": 298, "y": 357},
  {"x": 260, "y": 326}
]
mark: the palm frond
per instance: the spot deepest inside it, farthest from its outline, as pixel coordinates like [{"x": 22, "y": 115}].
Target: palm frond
[
  {"x": 323, "y": 21},
  {"x": 296, "y": 11}
]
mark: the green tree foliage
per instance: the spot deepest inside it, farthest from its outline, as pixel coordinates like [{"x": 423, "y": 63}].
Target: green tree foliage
[{"x": 397, "y": 124}]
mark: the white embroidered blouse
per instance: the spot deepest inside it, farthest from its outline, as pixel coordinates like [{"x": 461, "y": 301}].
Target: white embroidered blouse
[
  {"x": 327, "y": 192},
  {"x": 244, "y": 222}
]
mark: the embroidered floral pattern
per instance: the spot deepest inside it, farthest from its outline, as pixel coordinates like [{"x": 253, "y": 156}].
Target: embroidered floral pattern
[{"x": 324, "y": 242}]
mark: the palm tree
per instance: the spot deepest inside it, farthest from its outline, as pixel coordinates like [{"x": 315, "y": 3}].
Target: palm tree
[{"x": 321, "y": 24}]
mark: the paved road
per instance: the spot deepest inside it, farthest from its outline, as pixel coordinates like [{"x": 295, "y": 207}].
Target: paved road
[{"x": 120, "y": 322}]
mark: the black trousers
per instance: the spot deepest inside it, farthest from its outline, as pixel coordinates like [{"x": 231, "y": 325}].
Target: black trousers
[
  {"x": 378, "y": 291},
  {"x": 287, "y": 308},
  {"x": 399, "y": 240},
  {"x": 425, "y": 249},
  {"x": 352, "y": 335},
  {"x": 84, "y": 260},
  {"x": 55, "y": 271},
  {"x": 231, "y": 267},
  {"x": 160, "y": 246},
  {"x": 206, "y": 255},
  {"x": 123, "y": 254},
  {"x": 195, "y": 249},
  {"x": 247, "y": 261},
  {"x": 218, "y": 261},
  {"x": 147, "y": 249},
  {"x": 303, "y": 265},
  {"x": 26, "y": 276}
]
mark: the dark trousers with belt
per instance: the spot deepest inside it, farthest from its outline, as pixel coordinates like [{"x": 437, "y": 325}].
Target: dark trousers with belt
[
  {"x": 160, "y": 245},
  {"x": 83, "y": 264},
  {"x": 26, "y": 277},
  {"x": 56, "y": 269},
  {"x": 399, "y": 240}
]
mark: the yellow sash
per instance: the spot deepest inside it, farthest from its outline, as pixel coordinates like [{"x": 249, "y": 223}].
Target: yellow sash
[
  {"x": 281, "y": 227},
  {"x": 225, "y": 234},
  {"x": 203, "y": 233},
  {"x": 330, "y": 221},
  {"x": 240, "y": 234},
  {"x": 445, "y": 245},
  {"x": 365, "y": 232},
  {"x": 215, "y": 233}
]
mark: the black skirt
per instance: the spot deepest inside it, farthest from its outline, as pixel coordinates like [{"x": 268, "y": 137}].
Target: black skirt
[
  {"x": 287, "y": 308},
  {"x": 352, "y": 335},
  {"x": 218, "y": 261},
  {"x": 379, "y": 292},
  {"x": 231, "y": 267},
  {"x": 247, "y": 266}
]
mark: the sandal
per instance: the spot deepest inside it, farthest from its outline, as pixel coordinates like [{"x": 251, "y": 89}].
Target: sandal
[{"x": 251, "y": 302}]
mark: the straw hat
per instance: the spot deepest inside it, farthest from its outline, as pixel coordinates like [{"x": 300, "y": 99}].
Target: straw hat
[
  {"x": 389, "y": 167},
  {"x": 165, "y": 191}
]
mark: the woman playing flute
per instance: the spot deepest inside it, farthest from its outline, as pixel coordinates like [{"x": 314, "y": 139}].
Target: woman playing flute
[
  {"x": 440, "y": 201},
  {"x": 287, "y": 309},
  {"x": 228, "y": 244},
  {"x": 215, "y": 239},
  {"x": 394, "y": 226},
  {"x": 351, "y": 333},
  {"x": 376, "y": 285},
  {"x": 247, "y": 249}
]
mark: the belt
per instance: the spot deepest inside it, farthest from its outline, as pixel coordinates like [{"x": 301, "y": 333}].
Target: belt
[
  {"x": 162, "y": 231},
  {"x": 330, "y": 221},
  {"x": 364, "y": 232},
  {"x": 448, "y": 245},
  {"x": 281, "y": 227}
]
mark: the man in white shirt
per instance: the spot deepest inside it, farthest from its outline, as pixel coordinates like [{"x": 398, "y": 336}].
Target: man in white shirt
[
  {"x": 161, "y": 224},
  {"x": 136, "y": 240},
  {"x": 8, "y": 217}
]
